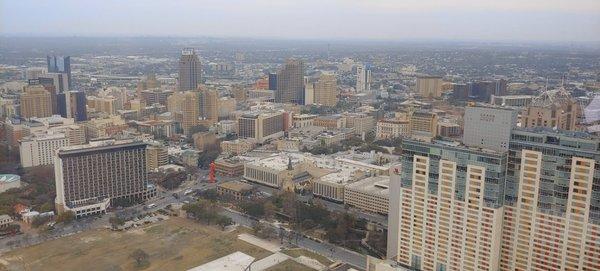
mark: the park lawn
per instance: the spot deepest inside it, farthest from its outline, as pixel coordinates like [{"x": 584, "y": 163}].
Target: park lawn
[
  {"x": 289, "y": 265},
  {"x": 172, "y": 244},
  {"x": 297, "y": 252}
]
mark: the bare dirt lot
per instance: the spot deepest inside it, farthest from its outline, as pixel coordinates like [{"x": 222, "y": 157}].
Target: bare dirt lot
[{"x": 173, "y": 244}]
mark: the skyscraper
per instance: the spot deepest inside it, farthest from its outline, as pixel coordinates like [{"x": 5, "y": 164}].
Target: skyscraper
[
  {"x": 78, "y": 105},
  {"x": 363, "y": 78},
  {"x": 190, "y": 70},
  {"x": 290, "y": 82},
  {"x": 325, "y": 90},
  {"x": 429, "y": 86},
  {"x": 57, "y": 64},
  {"x": 272, "y": 81}
]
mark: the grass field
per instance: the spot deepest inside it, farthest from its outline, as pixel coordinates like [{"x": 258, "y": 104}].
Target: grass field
[
  {"x": 173, "y": 244},
  {"x": 295, "y": 253}
]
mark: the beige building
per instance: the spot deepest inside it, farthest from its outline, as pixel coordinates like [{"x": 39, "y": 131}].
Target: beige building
[
  {"x": 429, "y": 86},
  {"x": 226, "y": 106},
  {"x": 38, "y": 149},
  {"x": 209, "y": 105},
  {"x": 279, "y": 171},
  {"x": 370, "y": 194},
  {"x": 156, "y": 156},
  {"x": 190, "y": 111},
  {"x": 105, "y": 104},
  {"x": 104, "y": 127},
  {"x": 261, "y": 126},
  {"x": 303, "y": 120},
  {"x": 553, "y": 109},
  {"x": 330, "y": 122},
  {"x": 234, "y": 189},
  {"x": 36, "y": 101},
  {"x": 325, "y": 90},
  {"x": 231, "y": 167},
  {"x": 392, "y": 129},
  {"x": 360, "y": 122},
  {"x": 237, "y": 147},
  {"x": 175, "y": 102},
  {"x": 423, "y": 125}
]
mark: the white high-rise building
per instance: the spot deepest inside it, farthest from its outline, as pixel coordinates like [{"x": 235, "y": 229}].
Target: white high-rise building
[{"x": 363, "y": 79}]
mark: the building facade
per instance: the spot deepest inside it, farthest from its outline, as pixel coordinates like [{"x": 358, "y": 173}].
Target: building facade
[
  {"x": 190, "y": 70},
  {"x": 290, "y": 82},
  {"x": 325, "y": 90},
  {"x": 489, "y": 127}
]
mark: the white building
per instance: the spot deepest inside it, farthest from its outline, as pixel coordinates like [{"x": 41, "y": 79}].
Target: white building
[
  {"x": 363, "y": 79},
  {"x": 392, "y": 129},
  {"x": 9, "y": 181},
  {"x": 370, "y": 194}
]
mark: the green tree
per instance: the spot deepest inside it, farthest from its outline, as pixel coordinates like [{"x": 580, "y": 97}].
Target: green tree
[
  {"x": 116, "y": 221},
  {"x": 142, "y": 259}
]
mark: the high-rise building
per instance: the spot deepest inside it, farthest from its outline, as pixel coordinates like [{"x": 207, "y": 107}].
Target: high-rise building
[
  {"x": 553, "y": 109},
  {"x": 34, "y": 73},
  {"x": 363, "y": 78},
  {"x": 446, "y": 207},
  {"x": 488, "y": 127},
  {"x": 36, "y": 101},
  {"x": 60, "y": 81},
  {"x": 78, "y": 105},
  {"x": 272, "y": 81},
  {"x": 480, "y": 90},
  {"x": 57, "y": 64},
  {"x": 155, "y": 96},
  {"x": 208, "y": 102},
  {"x": 157, "y": 155},
  {"x": 290, "y": 82},
  {"x": 190, "y": 70},
  {"x": 89, "y": 177},
  {"x": 429, "y": 86},
  {"x": 325, "y": 90},
  {"x": 190, "y": 110},
  {"x": 551, "y": 207},
  {"x": 261, "y": 126},
  {"x": 532, "y": 207},
  {"x": 38, "y": 149}
]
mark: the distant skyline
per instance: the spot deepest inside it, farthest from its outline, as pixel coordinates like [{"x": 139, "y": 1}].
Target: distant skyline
[{"x": 479, "y": 20}]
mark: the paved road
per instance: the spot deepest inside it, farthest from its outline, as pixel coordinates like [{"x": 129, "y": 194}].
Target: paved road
[{"x": 329, "y": 250}]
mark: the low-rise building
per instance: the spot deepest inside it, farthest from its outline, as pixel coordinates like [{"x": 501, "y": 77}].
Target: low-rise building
[
  {"x": 232, "y": 167},
  {"x": 156, "y": 156},
  {"x": 234, "y": 189},
  {"x": 5, "y": 220},
  {"x": 288, "y": 145},
  {"x": 237, "y": 147},
  {"x": 370, "y": 194},
  {"x": 303, "y": 120},
  {"x": 205, "y": 140},
  {"x": 392, "y": 129},
  {"x": 281, "y": 171},
  {"x": 330, "y": 122}
]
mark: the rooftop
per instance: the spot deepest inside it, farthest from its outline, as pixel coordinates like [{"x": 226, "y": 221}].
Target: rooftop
[
  {"x": 236, "y": 186},
  {"x": 378, "y": 185}
]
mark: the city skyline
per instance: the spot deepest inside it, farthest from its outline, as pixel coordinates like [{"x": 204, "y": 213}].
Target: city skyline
[{"x": 379, "y": 20}]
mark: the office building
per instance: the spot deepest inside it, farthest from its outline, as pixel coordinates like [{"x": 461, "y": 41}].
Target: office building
[
  {"x": 423, "y": 125},
  {"x": 553, "y": 109},
  {"x": 57, "y": 64},
  {"x": 155, "y": 96},
  {"x": 234, "y": 189},
  {"x": 290, "y": 82},
  {"x": 280, "y": 171},
  {"x": 37, "y": 149},
  {"x": 78, "y": 105},
  {"x": 190, "y": 70},
  {"x": 325, "y": 90},
  {"x": 89, "y": 176},
  {"x": 429, "y": 86},
  {"x": 208, "y": 102},
  {"x": 105, "y": 104},
  {"x": 551, "y": 212},
  {"x": 446, "y": 207},
  {"x": 261, "y": 126},
  {"x": 104, "y": 127},
  {"x": 205, "y": 141},
  {"x": 272, "y": 81},
  {"x": 488, "y": 127},
  {"x": 34, "y": 73},
  {"x": 303, "y": 120},
  {"x": 190, "y": 110},
  {"x": 363, "y": 78},
  {"x": 237, "y": 147},
  {"x": 330, "y": 122},
  {"x": 361, "y": 123},
  {"x": 232, "y": 167},
  {"x": 392, "y": 128},
  {"x": 36, "y": 101},
  {"x": 370, "y": 194},
  {"x": 480, "y": 90},
  {"x": 59, "y": 81},
  {"x": 309, "y": 93},
  {"x": 156, "y": 156}
]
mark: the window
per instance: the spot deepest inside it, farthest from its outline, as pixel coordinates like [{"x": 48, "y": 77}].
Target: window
[
  {"x": 440, "y": 267},
  {"x": 415, "y": 262}
]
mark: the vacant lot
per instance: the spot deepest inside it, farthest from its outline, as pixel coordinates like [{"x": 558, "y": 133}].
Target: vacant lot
[
  {"x": 289, "y": 265},
  {"x": 174, "y": 244}
]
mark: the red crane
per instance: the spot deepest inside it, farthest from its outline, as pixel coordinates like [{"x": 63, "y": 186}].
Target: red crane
[{"x": 211, "y": 174}]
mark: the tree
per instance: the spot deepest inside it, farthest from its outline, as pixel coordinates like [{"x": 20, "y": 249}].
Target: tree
[
  {"x": 196, "y": 129},
  {"x": 65, "y": 217},
  {"x": 141, "y": 258},
  {"x": 253, "y": 208},
  {"x": 224, "y": 221}
]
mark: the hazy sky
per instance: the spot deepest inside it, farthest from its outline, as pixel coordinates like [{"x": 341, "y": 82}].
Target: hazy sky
[{"x": 506, "y": 20}]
